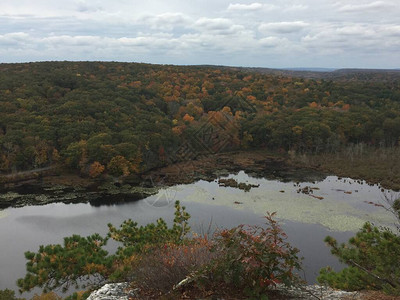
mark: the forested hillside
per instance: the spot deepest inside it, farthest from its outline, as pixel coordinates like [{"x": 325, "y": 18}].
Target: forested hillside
[{"x": 123, "y": 118}]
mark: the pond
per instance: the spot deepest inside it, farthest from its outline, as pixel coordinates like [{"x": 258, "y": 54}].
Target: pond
[{"x": 308, "y": 211}]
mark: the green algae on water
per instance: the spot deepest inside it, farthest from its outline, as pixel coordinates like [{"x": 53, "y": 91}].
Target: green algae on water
[{"x": 337, "y": 211}]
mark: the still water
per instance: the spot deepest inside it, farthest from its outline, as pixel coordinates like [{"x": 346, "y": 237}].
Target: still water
[{"x": 339, "y": 211}]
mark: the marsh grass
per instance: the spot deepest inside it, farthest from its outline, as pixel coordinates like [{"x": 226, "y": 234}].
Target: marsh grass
[{"x": 375, "y": 165}]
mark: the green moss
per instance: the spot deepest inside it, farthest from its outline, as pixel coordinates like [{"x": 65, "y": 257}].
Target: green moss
[{"x": 330, "y": 212}]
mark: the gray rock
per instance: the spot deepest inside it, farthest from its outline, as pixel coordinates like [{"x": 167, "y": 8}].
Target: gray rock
[
  {"x": 316, "y": 292},
  {"x": 113, "y": 291},
  {"x": 122, "y": 291}
]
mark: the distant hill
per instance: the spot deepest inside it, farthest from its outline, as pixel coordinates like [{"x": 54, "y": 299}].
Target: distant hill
[
  {"x": 310, "y": 69},
  {"x": 332, "y": 74}
]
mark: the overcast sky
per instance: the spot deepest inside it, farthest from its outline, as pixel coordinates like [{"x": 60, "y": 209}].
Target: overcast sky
[{"x": 273, "y": 33}]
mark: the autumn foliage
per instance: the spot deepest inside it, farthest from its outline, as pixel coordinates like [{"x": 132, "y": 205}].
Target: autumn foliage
[
  {"x": 119, "y": 166},
  {"x": 74, "y": 114},
  {"x": 253, "y": 259},
  {"x": 95, "y": 169},
  {"x": 165, "y": 267}
]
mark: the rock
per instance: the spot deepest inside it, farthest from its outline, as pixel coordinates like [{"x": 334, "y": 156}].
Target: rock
[
  {"x": 113, "y": 291},
  {"x": 312, "y": 292},
  {"x": 122, "y": 291},
  {"x": 234, "y": 184},
  {"x": 305, "y": 190}
]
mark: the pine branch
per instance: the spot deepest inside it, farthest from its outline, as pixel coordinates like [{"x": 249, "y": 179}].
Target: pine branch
[{"x": 372, "y": 274}]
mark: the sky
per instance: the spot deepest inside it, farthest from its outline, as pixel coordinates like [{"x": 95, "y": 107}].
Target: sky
[{"x": 272, "y": 34}]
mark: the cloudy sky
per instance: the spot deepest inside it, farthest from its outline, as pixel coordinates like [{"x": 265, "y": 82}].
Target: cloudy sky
[{"x": 270, "y": 33}]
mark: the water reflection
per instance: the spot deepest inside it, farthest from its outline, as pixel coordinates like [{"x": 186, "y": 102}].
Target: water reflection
[{"x": 211, "y": 207}]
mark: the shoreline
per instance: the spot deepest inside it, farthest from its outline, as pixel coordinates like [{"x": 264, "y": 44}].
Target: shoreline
[{"x": 56, "y": 185}]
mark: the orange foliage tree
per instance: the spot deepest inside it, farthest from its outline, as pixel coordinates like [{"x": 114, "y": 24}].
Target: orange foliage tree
[
  {"x": 188, "y": 118},
  {"x": 95, "y": 169}
]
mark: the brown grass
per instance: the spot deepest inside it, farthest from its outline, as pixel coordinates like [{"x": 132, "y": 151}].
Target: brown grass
[
  {"x": 160, "y": 270},
  {"x": 375, "y": 165}
]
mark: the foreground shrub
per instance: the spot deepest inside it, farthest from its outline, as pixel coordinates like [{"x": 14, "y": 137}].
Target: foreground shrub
[
  {"x": 162, "y": 269},
  {"x": 47, "y": 296},
  {"x": 82, "y": 295},
  {"x": 8, "y": 295},
  {"x": 253, "y": 259},
  {"x": 137, "y": 240},
  {"x": 373, "y": 256},
  {"x": 78, "y": 260},
  {"x": 162, "y": 260},
  {"x": 82, "y": 261}
]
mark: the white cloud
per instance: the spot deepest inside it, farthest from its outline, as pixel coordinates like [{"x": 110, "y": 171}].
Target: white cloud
[
  {"x": 214, "y": 24},
  {"x": 220, "y": 26},
  {"x": 356, "y": 31},
  {"x": 254, "y": 7},
  {"x": 296, "y": 7},
  {"x": 282, "y": 27},
  {"x": 392, "y": 30},
  {"x": 274, "y": 42},
  {"x": 242, "y": 32},
  {"x": 14, "y": 39},
  {"x": 84, "y": 6},
  {"x": 74, "y": 41},
  {"x": 352, "y": 38},
  {"x": 166, "y": 21},
  {"x": 372, "y": 6},
  {"x": 245, "y": 7}
]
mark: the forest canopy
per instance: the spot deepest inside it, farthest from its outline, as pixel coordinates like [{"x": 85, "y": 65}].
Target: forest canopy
[{"x": 124, "y": 118}]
